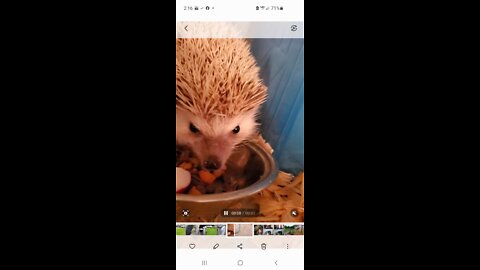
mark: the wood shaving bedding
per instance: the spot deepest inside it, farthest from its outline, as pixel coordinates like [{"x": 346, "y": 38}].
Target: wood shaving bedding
[{"x": 275, "y": 202}]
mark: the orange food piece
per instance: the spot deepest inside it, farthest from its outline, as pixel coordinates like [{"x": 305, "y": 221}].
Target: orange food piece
[
  {"x": 186, "y": 165},
  {"x": 194, "y": 191},
  {"x": 206, "y": 177},
  {"x": 218, "y": 173}
]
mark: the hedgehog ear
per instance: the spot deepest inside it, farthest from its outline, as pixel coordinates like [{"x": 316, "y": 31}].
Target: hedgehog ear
[{"x": 255, "y": 112}]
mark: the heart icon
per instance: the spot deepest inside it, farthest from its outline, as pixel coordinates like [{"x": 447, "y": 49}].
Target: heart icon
[{"x": 192, "y": 246}]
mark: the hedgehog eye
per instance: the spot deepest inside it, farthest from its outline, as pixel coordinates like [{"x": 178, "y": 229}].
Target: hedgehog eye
[
  {"x": 193, "y": 128},
  {"x": 236, "y": 130}
]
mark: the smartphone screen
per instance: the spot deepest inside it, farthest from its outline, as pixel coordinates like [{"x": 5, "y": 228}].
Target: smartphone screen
[{"x": 239, "y": 134}]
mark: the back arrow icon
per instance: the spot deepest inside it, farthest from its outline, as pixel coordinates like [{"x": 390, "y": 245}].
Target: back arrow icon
[{"x": 186, "y": 28}]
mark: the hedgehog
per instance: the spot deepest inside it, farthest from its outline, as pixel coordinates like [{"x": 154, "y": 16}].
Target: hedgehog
[{"x": 219, "y": 95}]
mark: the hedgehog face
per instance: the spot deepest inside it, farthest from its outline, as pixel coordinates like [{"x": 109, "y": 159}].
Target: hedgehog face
[
  {"x": 214, "y": 140},
  {"x": 218, "y": 94}
]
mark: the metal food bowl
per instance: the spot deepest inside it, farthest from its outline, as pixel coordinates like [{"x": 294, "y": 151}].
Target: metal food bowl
[{"x": 250, "y": 162}]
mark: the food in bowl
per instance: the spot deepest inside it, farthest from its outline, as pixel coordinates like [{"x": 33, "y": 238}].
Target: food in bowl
[{"x": 202, "y": 181}]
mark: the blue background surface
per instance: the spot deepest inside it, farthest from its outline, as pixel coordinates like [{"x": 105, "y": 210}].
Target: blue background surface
[{"x": 282, "y": 69}]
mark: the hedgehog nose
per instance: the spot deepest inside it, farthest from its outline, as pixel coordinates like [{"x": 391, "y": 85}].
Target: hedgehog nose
[{"x": 211, "y": 163}]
